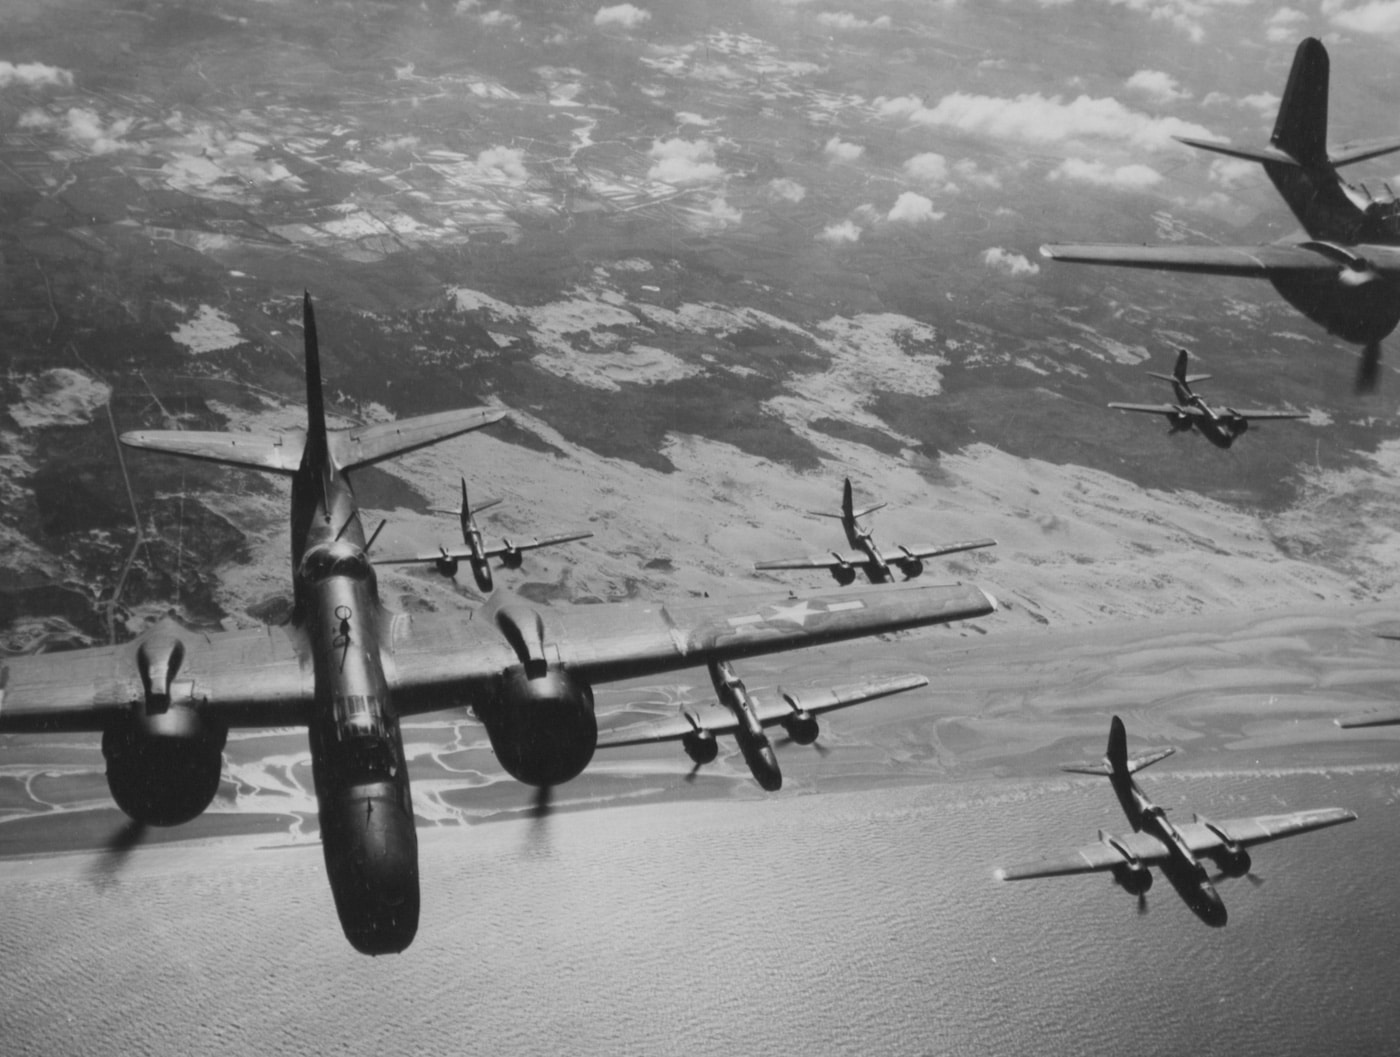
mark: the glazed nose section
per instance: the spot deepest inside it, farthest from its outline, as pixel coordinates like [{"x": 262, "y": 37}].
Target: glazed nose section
[{"x": 372, "y": 858}]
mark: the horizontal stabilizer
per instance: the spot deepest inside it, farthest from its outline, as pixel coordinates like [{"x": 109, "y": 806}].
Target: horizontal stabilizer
[
  {"x": 278, "y": 454},
  {"x": 819, "y": 701},
  {"x": 1104, "y": 769},
  {"x": 1190, "y": 379},
  {"x": 477, "y": 508},
  {"x": 367, "y": 445},
  {"x": 1260, "y": 154},
  {"x": 1355, "y": 152}
]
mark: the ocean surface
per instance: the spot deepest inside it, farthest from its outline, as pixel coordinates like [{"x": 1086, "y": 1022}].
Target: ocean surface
[{"x": 833, "y": 923}]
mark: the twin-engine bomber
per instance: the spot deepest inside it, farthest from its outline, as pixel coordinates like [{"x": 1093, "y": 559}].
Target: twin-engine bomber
[
  {"x": 1344, "y": 273},
  {"x": 1221, "y": 427},
  {"x": 1156, "y": 841},
  {"x": 746, "y": 718},
  {"x": 349, "y": 669},
  {"x": 877, "y": 565},
  {"x": 478, "y": 553}
]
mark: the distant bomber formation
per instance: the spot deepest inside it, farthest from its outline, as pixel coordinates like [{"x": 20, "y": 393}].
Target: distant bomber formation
[
  {"x": 1345, "y": 274},
  {"x": 1156, "y": 841},
  {"x": 477, "y": 554},
  {"x": 876, "y": 565},
  {"x": 348, "y": 669},
  {"x": 1221, "y": 428},
  {"x": 745, "y": 717}
]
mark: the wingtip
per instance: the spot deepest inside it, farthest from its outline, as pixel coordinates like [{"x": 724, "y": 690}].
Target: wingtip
[{"x": 991, "y": 599}]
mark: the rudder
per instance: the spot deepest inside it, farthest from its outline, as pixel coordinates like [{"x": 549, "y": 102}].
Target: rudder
[{"x": 1301, "y": 127}]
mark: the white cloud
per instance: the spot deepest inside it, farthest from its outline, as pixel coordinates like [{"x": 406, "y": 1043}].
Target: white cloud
[
  {"x": 785, "y": 190},
  {"x": 928, "y": 168},
  {"x": 1284, "y": 25},
  {"x": 1231, "y": 173},
  {"x": 1379, "y": 17},
  {"x": 1264, "y": 102},
  {"x": 838, "y": 149},
  {"x": 500, "y": 18},
  {"x": 1037, "y": 119},
  {"x": 968, "y": 172},
  {"x": 1157, "y": 86},
  {"x": 628, "y": 16},
  {"x": 912, "y": 208},
  {"x": 506, "y": 162},
  {"x": 1096, "y": 173},
  {"x": 846, "y": 20},
  {"x": 682, "y": 161},
  {"x": 684, "y": 117},
  {"x": 721, "y": 214},
  {"x": 83, "y": 128},
  {"x": 34, "y": 75},
  {"x": 1008, "y": 263},
  {"x": 839, "y": 234}
]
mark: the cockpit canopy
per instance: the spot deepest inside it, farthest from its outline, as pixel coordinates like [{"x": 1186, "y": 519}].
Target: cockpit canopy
[{"x": 335, "y": 560}]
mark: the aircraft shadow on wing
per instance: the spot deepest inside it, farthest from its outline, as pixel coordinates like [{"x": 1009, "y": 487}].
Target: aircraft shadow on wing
[
  {"x": 1222, "y": 427},
  {"x": 747, "y": 718},
  {"x": 1343, "y": 272},
  {"x": 348, "y": 669},
  {"x": 476, "y": 552},
  {"x": 1176, "y": 850},
  {"x": 878, "y": 566}
]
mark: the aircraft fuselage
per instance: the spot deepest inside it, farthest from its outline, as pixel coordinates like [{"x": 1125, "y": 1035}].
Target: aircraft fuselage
[
  {"x": 357, "y": 759},
  {"x": 1182, "y": 869},
  {"x": 481, "y": 565},
  {"x": 757, "y": 750},
  {"x": 1221, "y": 429}
]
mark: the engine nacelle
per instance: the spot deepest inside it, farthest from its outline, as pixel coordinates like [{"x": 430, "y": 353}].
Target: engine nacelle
[
  {"x": 910, "y": 567},
  {"x": 1133, "y": 878},
  {"x": 512, "y": 557},
  {"x": 542, "y": 729},
  {"x": 158, "y": 660},
  {"x": 844, "y": 574},
  {"x": 802, "y": 727},
  {"x": 700, "y": 746},
  {"x": 1233, "y": 862},
  {"x": 163, "y": 769},
  {"x": 447, "y": 566}
]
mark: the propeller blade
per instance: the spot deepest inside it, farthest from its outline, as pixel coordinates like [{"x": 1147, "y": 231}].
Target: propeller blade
[
  {"x": 1142, "y": 904},
  {"x": 542, "y": 804},
  {"x": 117, "y": 849},
  {"x": 690, "y": 775},
  {"x": 1368, "y": 371}
]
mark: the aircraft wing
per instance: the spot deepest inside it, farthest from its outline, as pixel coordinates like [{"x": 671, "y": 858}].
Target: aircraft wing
[
  {"x": 442, "y": 660},
  {"x": 1258, "y": 262},
  {"x": 937, "y": 550},
  {"x": 719, "y": 720},
  {"x": 504, "y": 547},
  {"x": 1160, "y": 409},
  {"x": 263, "y": 677},
  {"x": 1376, "y": 717},
  {"x": 256, "y": 677},
  {"x": 815, "y": 561},
  {"x": 1201, "y": 837},
  {"x": 459, "y": 553},
  {"x": 1263, "y": 415},
  {"x": 1097, "y": 856}
]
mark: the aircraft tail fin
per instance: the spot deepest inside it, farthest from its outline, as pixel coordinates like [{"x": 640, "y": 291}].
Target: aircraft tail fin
[
  {"x": 1116, "y": 760},
  {"x": 849, "y": 514},
  {"x": 1179, "y": 374},
  {"x": 1301, "y": 128}
]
